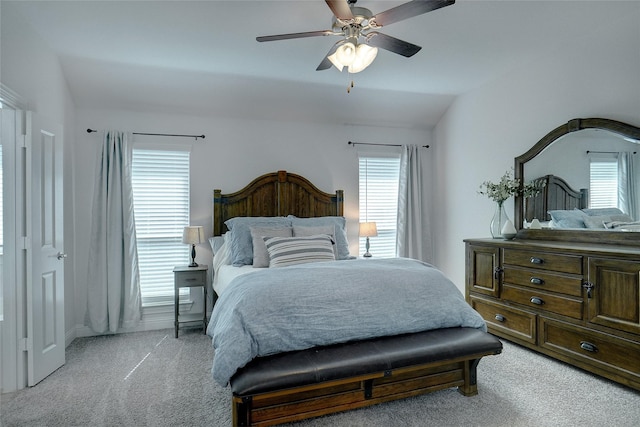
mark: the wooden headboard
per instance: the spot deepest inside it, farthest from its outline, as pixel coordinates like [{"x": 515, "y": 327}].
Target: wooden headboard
[
  {"x": 555, "y": 194},
  {"x": 275, "y": 194}
]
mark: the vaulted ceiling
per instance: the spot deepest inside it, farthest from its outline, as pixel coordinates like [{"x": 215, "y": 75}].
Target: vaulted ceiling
[{"x": 202, "y": 58}]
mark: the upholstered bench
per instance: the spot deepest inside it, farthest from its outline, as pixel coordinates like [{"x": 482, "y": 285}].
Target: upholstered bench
[{"x": 308, "y": 383}]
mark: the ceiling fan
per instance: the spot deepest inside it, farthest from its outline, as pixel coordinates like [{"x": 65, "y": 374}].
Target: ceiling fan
[{"x": 360, "y": 41}]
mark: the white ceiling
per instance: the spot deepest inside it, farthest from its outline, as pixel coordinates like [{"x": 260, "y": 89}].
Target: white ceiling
[{"x": 201, "y": 57}]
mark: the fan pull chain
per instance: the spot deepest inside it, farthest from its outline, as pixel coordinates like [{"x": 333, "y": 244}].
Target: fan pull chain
[{"x": 349, "y": 87}]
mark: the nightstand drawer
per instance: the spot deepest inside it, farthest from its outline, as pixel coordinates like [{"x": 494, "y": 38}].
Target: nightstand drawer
[
  {"x": 506, "y": 320},
  {"x": 190, "y": 278},
  {"x": 562, "y": 263}
]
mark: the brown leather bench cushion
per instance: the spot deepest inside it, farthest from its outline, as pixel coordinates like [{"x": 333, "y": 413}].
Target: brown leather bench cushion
[{"x": 318, "y": 364}]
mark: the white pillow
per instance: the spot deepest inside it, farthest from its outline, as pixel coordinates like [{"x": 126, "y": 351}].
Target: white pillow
[
  {"x": 284, "y": 251},
  {"x": 260, "y": 254}
]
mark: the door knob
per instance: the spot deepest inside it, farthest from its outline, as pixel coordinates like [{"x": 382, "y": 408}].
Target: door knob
[{"x": 61, "y": 255}]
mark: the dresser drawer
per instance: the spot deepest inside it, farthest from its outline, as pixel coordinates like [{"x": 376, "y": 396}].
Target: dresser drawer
[
  {"x": 505, "y": 320},
  {"x": 543, "y": 280},
  {"x": 592, "y": 347},
  {"x": 561, "y": 263},
  {"x": 554, "y": 303}
]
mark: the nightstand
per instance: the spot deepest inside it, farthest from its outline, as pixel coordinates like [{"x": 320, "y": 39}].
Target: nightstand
[{"x": 190, "y": 277}]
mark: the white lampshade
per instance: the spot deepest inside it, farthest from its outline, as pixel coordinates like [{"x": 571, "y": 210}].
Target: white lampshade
[
  {"x": 368, "y": 229},
  {"x": 193, "y": 235},
  {"x": 365, "y": 55}
]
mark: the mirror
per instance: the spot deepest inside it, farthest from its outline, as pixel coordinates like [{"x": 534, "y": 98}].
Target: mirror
[{"x": 565, "y": 152}]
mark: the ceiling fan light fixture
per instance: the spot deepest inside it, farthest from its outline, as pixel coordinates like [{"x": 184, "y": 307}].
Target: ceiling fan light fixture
[
  {"x": 365, "y": 55},
  {"x": 346, "y": 53},
  {"x": 334, "y": 60}
]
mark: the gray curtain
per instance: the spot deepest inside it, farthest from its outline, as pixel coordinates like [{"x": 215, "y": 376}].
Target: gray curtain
[
  {"x": 413, "y": 234},
  {"x": 627, "y": 196},
  {"x": 113, "y": 281}
]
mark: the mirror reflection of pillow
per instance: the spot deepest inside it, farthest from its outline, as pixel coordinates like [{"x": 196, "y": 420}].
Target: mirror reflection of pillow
[
  {"x": 602, "y": 211},
  {"x": 568, "y": 218}
]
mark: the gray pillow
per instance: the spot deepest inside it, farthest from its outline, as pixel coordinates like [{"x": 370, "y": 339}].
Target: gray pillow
[
  {"x": 329, "y": 230},
  {"x": 260, "y": 254},
  {"x": 340, "y": 229},
  {"x": 568, "y": 218},
  {"x": 285, "y": 251},
  {"x": 241, "y": 243}
]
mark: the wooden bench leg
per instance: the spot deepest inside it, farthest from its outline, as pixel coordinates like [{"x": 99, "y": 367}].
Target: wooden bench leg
[
  {"x": 470, "y": 387},
  {"x": 241, "y": 411}
]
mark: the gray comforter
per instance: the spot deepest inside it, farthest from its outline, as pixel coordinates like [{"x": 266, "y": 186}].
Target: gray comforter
[{"x": 298, "y": 307}]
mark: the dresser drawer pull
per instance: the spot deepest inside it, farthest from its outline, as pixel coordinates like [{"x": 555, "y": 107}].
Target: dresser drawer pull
[
  {"x": 500, "y": 318},
  {"x": 190, "y": 279},
  {"x": 587, "y": 346},
  {"x": 536, "y": 300},
  {"x": 535, "y": 260},
  {"x": 537, "y": 281}
]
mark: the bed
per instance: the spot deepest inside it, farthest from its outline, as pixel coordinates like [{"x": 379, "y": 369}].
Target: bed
[{"x": 296, "y": 339}]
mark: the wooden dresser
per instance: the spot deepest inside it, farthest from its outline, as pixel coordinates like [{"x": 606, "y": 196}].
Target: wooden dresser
[{"x": 579, "y": 303}]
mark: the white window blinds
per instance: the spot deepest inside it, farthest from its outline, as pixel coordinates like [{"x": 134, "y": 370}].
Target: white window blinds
[
  {"x": 603, "y": 185},
  {"x": 378, "y": 187},
  {"x": 161, "y": 207}
]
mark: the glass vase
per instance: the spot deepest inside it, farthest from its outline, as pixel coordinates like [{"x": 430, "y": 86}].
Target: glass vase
[{"x": 498, "y": 221}]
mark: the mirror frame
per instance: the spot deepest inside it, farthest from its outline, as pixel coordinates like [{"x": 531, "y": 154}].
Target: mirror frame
[{"x": 581, "y": 236}]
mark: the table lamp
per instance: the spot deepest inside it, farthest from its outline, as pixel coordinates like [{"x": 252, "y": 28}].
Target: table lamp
[
  {"x": 193, "y": 235},
  {"x": 368, "y": 229}
]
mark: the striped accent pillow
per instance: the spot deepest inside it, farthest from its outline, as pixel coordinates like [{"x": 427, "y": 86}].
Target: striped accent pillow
[{"x": 284, "y": 251}]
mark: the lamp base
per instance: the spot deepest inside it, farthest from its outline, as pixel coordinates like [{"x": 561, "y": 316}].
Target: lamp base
[
  {"x": 193, "y": 256},
  {"x": 367, "y": 246}
]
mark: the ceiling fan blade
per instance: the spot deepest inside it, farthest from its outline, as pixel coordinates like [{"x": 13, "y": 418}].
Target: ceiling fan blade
[
  {"x": 294, "y": 35},
  {"x": 326, "y": 64},
  {"x": 340, "y": 9},
  {"x": 409, "y": 10},
  {"x": 392, "y": 44}
]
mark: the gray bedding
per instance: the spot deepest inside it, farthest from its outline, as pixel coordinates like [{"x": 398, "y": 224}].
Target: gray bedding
[{"x": 307, "y": 305}]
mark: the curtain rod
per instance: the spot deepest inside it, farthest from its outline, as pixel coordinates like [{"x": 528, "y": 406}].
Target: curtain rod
[
  {"x": 605, "y": 152},
  {"x": 384, "y": 145},
  {"x": 159, "y": 134}
]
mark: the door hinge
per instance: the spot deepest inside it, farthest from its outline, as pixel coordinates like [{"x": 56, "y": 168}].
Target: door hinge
[
  {"x": 25, "y": 243},
  {"x": 23, "y": 141},
  {"x": 26, "y": 344}
]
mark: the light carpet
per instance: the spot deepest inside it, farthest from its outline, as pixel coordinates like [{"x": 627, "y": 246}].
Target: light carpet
[{"x": 153, "y": 379}]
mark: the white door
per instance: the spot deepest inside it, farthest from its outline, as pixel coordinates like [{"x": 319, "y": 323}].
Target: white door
[{"x": 45, "y": 259}]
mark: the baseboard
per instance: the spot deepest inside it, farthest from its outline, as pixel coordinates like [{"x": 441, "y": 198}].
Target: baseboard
[{"x": 153, "y": 318}]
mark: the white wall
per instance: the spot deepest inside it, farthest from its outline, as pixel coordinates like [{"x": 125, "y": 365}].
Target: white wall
[
  {"x": 484, "y": 130},
  {"x": 234, "y": 152}
]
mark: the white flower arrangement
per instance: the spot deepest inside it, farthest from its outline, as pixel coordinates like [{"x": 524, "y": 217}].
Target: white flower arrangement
[{"x": 507, "y": 186}]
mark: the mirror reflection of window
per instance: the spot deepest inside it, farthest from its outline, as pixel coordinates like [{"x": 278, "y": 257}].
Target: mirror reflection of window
[{"x": 603, "y": 181}]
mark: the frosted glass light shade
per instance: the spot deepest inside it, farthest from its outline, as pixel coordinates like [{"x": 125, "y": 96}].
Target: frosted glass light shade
[
  {"x": 346, "y": 53},
  {"x": 365, "y": 55},
  {"x": 334, "y": 60}
]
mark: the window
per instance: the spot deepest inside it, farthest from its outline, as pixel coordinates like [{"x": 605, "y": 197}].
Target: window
[
  {"x": 161, "y": 207},
  {"x": 379, "y": 177},
  {"x": 603, "y": 184}
]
